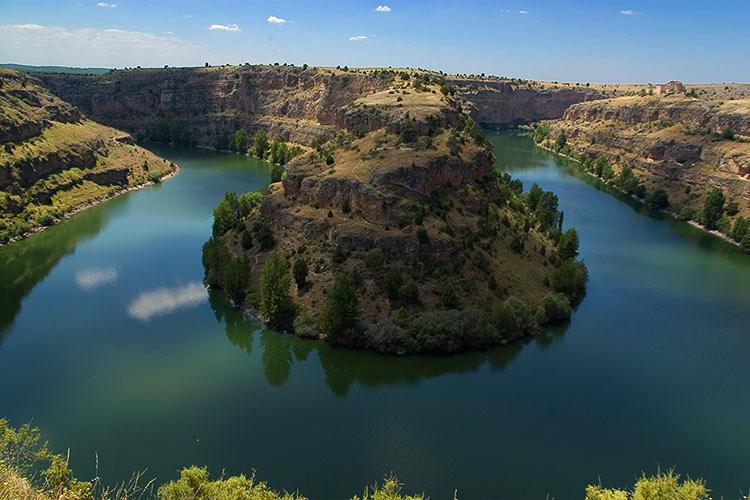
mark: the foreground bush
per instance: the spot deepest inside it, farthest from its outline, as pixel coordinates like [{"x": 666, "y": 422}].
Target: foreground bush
[
  {"x": 664, "y": 485},
  {"x": 22, "y": 454}
]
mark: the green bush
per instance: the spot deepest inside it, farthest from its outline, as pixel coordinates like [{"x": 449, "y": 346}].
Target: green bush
[
  {"x": 555, "y": 307},
  {"x": 570, "y": 279},
  {"x": 664, "y": 485},
  {"x": 512, "y": 319}
]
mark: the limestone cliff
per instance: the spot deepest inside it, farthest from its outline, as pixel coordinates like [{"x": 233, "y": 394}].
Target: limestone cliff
[
  {"x": 684, "y": 145},
  {"x": 55, "y": 161},
  {"x": 293, "y": 103}
]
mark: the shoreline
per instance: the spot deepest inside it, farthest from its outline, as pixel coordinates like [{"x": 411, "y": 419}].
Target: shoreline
[
  {"x": 673, "y": 215},
  {"x": 71, "y": 213}
]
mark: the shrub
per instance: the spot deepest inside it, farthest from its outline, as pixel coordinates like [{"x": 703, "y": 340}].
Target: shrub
[
  {"x": 449, "y": 331},
  {"x": 664, "y": 485},
  {"x": 512, "y": 318},
  {"x": 194, "y": 483},
  {"x": 555, "y": 307}
]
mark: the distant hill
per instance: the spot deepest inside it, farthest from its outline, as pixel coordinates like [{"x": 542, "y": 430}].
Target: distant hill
[{"x": 55, "y": 69}]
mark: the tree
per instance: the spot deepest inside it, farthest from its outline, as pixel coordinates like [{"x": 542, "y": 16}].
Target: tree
[
  {"x": 570, "y": 279},
  {"x": 512, "y": 318},
  {"x": 658, "y": 200},
  {"x": 236, "y": 278},
  {"x": 275, "y": 302},
  {"x": 226, "y": 214},
  {"x": 278, "y": 152},
  {"x": 261, "y": 143},
  {"x": 713, "y": 208},
  {"x": 277, "y": 173},
  {"x": 341, "y": 310},
  {"x": 239, "y": 141},
  {"x": 567, "y": 247},
  {"x": 561, "y": 141},
  {"x": 300, "y": 272},
  {"x": 741, "y": 228}
]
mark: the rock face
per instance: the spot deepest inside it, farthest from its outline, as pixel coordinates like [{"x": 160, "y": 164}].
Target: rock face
[
  {"x": 54, "y": 160},
  {"x": 683, "y": 145},
  {"x": 510, "y": 103},
  {"x": 298, "y": 105},
  {"x": 293, "y": 103}
]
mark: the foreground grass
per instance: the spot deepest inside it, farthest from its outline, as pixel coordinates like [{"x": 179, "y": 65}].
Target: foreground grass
[{"x": 28, "y": 470}]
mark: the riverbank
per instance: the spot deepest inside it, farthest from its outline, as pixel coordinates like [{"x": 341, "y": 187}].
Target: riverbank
[
  {"x": 67, "y": 215},
  {"x": 639, "y": 201}
]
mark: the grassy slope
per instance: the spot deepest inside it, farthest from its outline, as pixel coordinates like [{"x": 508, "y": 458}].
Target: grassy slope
[{"x": 64, "y": 161}]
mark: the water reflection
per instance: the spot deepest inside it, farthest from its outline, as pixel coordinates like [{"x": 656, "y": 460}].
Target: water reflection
[
  {"x": 344, "y": 367},
  {"x": 25, "y": 263},
  {"x": 92, "y": 278},
  {"x": 166, "y": 300}
]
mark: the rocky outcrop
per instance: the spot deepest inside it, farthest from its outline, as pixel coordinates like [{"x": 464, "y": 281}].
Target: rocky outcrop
[
  {"x": 50, "y": 148},
  {"x": 510, "y": 103},
  {"x": 294, "y": 103},
  {"x": 684, "y": 145}
]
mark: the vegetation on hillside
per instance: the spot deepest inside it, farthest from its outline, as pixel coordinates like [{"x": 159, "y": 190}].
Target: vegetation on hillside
[
  {"x": 428, "y": 305},
  {"x": 54, "y": 161},
  {"x": 716, "y": 214},
  {"x": 29, "y": 470}
]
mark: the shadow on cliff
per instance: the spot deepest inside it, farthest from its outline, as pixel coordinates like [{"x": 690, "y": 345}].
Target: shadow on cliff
[{"x": 344, "y": 367}]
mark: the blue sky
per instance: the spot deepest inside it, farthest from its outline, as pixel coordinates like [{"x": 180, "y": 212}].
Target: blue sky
[{"x": 594, "y": 40}]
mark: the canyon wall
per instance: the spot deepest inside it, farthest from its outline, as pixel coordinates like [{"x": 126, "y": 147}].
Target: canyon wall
[{"x": 293, "y": 103}]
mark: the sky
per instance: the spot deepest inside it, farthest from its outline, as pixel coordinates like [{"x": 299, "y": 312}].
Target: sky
[{"x": 644, "y": 41}]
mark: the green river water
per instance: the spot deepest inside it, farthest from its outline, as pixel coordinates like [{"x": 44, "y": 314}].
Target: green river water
[{"x": 110, "y": 344}]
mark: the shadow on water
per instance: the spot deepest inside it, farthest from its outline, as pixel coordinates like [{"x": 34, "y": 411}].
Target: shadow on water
[
  {"x": 344, "y": 367},
  {"x": 26, "y": 263}
]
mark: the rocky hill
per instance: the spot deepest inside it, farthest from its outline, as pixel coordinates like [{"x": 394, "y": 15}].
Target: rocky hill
[
  {"x": 686, "y": 146},
  {"x": 398, "y": 232},
  {"x": 54, "y": 161},
  {"x": 297, "y": 104}
]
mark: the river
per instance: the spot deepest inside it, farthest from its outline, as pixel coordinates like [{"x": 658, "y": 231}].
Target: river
[{"x": 110, "y": 344}]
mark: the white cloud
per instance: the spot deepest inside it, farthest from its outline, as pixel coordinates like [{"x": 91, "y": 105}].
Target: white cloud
[
  {"x": 89, "y": 279},
  {"x": 276, "y": 20},
  {"x": 358, "y": 38},
  {"x": 382, "y": 8},
  {"x": 107, "y": 5},
  {"x": 506, "y": 11},
  {"x": 224, "y": 27},
  {"x": 37, "y": 44},
  {"x": 524, "y": 12},
  {"x": 627, "y": 12},
  {"x": 164, "y": 301}
]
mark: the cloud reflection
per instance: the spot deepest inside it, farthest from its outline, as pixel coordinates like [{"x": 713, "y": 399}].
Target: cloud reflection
[
  {"x": 164, "y": 301},
  {"x": 89, "y": 279}
]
